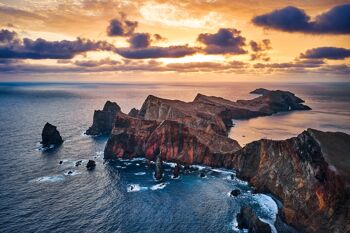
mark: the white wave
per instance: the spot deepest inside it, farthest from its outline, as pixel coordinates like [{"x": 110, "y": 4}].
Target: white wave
[
  {"x": 199, "y": 167},
  {"x": 223, "y": 171},
  {"x": 158, "y": 186},
  {"x": 267, "y": 205},
  {"x": 175, "y": 178},
  {"x": 140, "y": 173},
  {"x": 99, "y": 153},
  {"x": 234, "y": 224},
  {"x": 170, "y": 164},
  {"x": 135, "y": 188},
  {"x": 54, "y": 178}
]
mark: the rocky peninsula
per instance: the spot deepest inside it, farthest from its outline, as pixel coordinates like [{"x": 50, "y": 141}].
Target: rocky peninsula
[{"x": 309, "y": 173}]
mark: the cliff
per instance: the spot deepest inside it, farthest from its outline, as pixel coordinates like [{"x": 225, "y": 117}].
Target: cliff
[
  {"x": 309, "y": 173},
  {"x": 104, "y": 119}
]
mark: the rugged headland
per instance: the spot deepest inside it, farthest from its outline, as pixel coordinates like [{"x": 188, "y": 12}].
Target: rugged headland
[{"x": 309, "y": 173}]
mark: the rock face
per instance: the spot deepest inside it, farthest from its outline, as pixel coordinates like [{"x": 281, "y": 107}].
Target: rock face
[
  {"x": 247, "y": 219},
  {"x": 133, "y": 137},
  {"x": 104, "y": 119},
  {"x": 50, "y": 136},
  {"x": 309, "y": 173}
]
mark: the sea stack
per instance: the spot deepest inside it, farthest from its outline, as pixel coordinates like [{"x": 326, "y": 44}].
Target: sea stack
[
  {"x": 50, "y": 136},
  {"x": 159, "y": 165},
  {"x": 176, "y": 171}
]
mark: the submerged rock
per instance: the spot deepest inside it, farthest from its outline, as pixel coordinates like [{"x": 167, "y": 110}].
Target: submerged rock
[
  {"x": 159, "y": 165},
  {"x": 247, "y": 219},
  {"x": 104, "y": 119},
  {"x": 50, "y": 136},
  {"x": 91, "y": 165},
  {"x": 235, "y": 192}
]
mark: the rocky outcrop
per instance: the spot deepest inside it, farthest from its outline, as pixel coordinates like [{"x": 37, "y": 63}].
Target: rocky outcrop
[
  {"x": 260, "y": 91},
  {"x": 134, "y": 112},
  {"x": 132, "y": 137},
  {"x": 50, "y": 136},
  {"x": 247, "y": 219},
  {"x": 309, "y": 173},
  {"x": 104, "y": 119}
]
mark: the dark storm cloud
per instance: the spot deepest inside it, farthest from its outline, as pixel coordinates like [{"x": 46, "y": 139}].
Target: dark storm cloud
[
  {"x": 259, "y": 50},
  {"x": 13, "y": 48},
  {"x": 121, "y": 27},
  {"x": 140, "y": 40},
  {"x": 143, "y": 40},
  {"x": 225, "y": 41},
  {"x": 292, "y": 19},
  {"x": 333, "y": 53},
  {"x": 156, "y": 52},
  {"x": 7, "y": 36}
]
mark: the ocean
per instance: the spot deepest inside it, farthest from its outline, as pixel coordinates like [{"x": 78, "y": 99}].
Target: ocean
[{"x": 38, "y": 194}]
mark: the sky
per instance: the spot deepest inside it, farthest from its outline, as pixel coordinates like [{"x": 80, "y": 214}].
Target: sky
[{"x": 169, "y": 41}]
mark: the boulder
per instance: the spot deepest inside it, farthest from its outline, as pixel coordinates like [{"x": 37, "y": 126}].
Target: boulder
[
  {"x": 235, "y": 192},
  {"x": 104, "y": 119},
  {"x": 91, "y": 165},
  {"x": 51, "y": 136},
  {"x": 247, "y": 219}
]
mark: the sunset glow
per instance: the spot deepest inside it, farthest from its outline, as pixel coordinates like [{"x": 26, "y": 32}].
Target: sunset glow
[{"x": 265, "y": 40}]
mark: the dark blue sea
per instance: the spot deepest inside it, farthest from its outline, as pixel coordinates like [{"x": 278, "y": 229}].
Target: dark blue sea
[{"x": 37, "y": 194}]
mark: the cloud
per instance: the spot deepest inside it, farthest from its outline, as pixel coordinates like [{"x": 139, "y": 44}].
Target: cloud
[
  {"x": 332, "y": 53},
  {"x": 157, "y": 52},
  {"x": 143, "y": 40},
  {"x": 292, "y": 19},
  {"x": 121, "y": 27},
  {"x": 11, "y": 47},
  {"x": 95, "y": 63},
  {"x": 225, "y": 41},
  {"x": 259, "y": 50},
  {"x": 288, "y": 65}
]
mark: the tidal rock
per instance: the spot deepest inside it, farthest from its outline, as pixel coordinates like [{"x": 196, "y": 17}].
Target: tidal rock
[
  {"x": 235, "y": 192},
  {"x": 91, "y": 165},
  {"x": 202, "y": 175},
  {"x": 310, "y": 173},
  {"x": 134, "y": 112},
  {"x": 104, "y": 119},
  {"x": 247, "y": 219},
  {"x": 159, "y": 165},
  {"x": 51, "y": 136},
  {"x": 176, "y": 171},
  {"x": 61, "y": 162},
  {"x": 70, "y": 173},
  {"x": 78, "y": 163}
]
